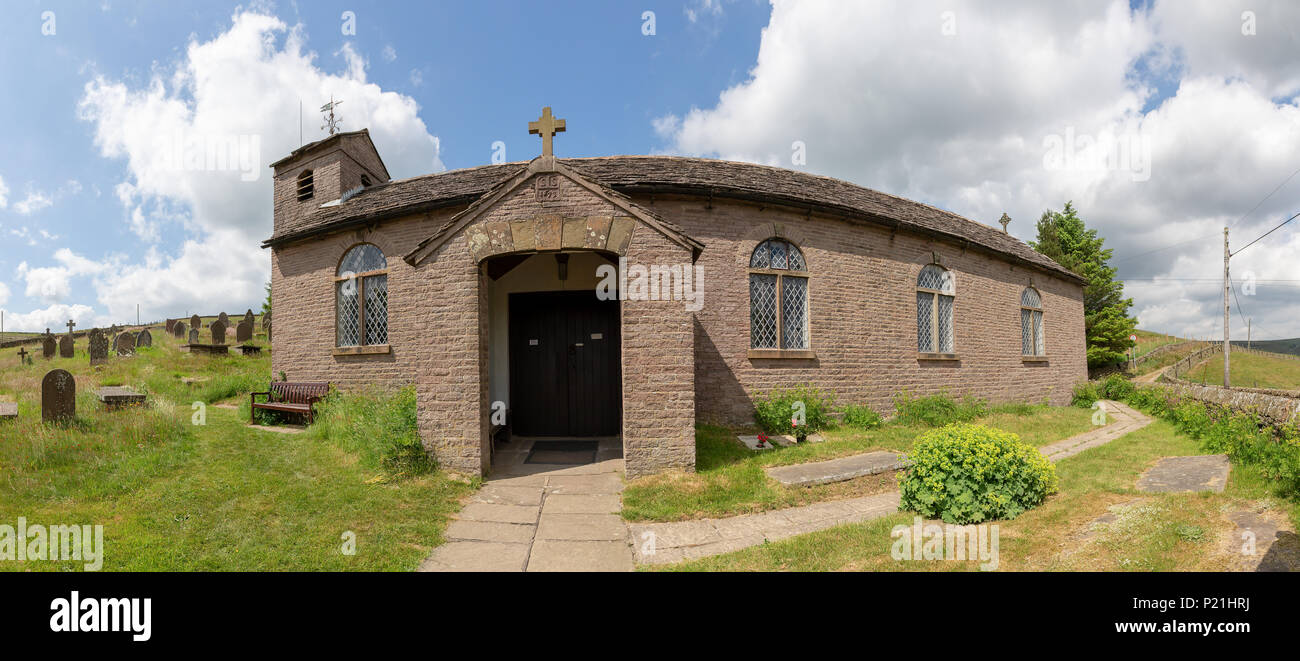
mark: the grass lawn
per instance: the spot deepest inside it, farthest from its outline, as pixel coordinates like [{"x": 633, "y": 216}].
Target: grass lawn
[
  {"x": 1251, "y": 371},
  {"x": 1148, "y": 341},
  {"x": 729, "y": 478},
  {"x": 1150, "y": 532},
  {"x": 175, "y": 495}
]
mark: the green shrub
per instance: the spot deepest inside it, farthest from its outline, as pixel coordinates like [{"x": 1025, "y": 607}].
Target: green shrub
[
  {"x": 377, "y": 425},
  {"x": 1117, "y": 388},
  {"x": 937, "y": 410},
  {"x": 970, "y": 473},
  {"x": 775, "y": 411},
  {"x": 1085, "y": 394},
  {"x": 861, "y": 417}
]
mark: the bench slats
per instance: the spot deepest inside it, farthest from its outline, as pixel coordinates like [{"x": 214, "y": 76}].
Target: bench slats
[{"x": 290, "y": 397}]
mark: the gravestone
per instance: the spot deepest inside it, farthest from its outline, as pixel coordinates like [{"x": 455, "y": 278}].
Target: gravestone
[
  {"x": 58, "y": 396},
  {"x": 125, "y": 344},
  {"x": 248, "y": 316},
  {"x": 244, "y": 331},
  {"x": 268, "y": 332},
  {"x": 144, "y": 339},
  {"x": 266, "y": 321},
  {"x": 223, "y": 318},
  {"x": 23, "y": 358},
  {"x": 98, "y": 347},
  {"x": 171, "y": 326},
  {"x": 65, "y": 346},
  {"x": 218, "y": 332},
  {"x": 194, "y": 336},
  {"x": 179, "y": 330},
  {"x": 195, "y": 322},
  {"x": 48, "y": 345}
]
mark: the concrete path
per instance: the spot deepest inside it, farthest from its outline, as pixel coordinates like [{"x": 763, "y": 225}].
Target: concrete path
[
  {"x": 665, "y": 543},
  {"x": 541, "y": 517},
  {"x": 1123, "y": 420},
  {"x": 1186, "y": 474},
  {"x": 837, "y": 470}
]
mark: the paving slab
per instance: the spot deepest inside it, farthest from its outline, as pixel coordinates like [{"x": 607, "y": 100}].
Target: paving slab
[
  {"x": 1275, "y": 549},
  {"x": 1122, "y": 419},
  {"x": 602, "y": 556},
  {"x": 501, "y": 494},
  {"x": 491, "y": 531},
  {"x": 1186, "y": 474},
  {"x": 582, "y": 527},
  {"x": 603, "y": 483},
  {"x": 477, "y": 556},
  {"x": 500, "y": 513},
  {"x": 837, "y": 470},
  {"x": 751, "y": 442},
  {"x": 591, "y": 503}
]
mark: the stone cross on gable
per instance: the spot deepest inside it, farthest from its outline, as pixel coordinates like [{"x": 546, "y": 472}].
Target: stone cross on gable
[
  {"x": 1005, "y": 220},
  {"x": 546, "y": 126},
  {"x": 71, "y": 324}
]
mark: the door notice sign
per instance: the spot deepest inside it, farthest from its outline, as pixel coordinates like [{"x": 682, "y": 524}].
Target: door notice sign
[
  {"x": 597, "y": 336},
  {"x": 532, "y": 343}
]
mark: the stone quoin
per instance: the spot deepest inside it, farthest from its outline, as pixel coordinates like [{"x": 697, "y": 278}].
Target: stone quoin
[{"x": 758, "y": 278}]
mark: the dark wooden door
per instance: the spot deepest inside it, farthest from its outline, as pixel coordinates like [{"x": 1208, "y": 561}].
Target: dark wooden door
[{"x": 564, "y": 364}]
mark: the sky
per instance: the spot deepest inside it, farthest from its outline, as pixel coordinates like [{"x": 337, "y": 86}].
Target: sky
[{"x": 135, "y": 170}]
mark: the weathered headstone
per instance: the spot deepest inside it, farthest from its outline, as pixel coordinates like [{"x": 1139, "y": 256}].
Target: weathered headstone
[
  {"x": 48, "y": 345},
  {"x": 244, "y": 331},
  {"x": 144, "y": 339},
  {"x": 179, "y": 330},
  {"x": 195, "y": 322},
  {"x": 223, "y": 318},
  {"x": 125, "y": 344},
  {"x": 98, "y": 347},
  {"x": 194, "y": 336},
  {"x": 58, "y": 396},
  {"x": 65, "y": 346},
  {"x": 248, "y": 316},
  {"x": 218, "y": 332},
  {"x": 171, "y": 326},
  {"x": 266, "y": 321}
]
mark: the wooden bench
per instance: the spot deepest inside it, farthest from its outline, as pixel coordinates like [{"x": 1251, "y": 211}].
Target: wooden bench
[{"x": 289, "y": 398}]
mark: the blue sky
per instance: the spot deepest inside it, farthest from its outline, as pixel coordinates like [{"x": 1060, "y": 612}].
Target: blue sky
[{"x": 955, "y": 103}]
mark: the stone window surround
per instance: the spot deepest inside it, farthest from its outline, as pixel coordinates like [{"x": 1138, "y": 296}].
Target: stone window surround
[
  {"x": 1040, "y": 322},
  {"x": 360, "y": 349},
  {"x": 952, "y": 356},
  {"x": 807, "y": 352}
]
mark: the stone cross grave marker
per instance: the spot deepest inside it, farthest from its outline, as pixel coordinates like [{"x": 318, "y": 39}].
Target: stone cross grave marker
[
  {"x": 195, "y": 322},
  {"x": 48, "y": 344},
  {"x": 179, "y": 329},
  {"x": 194, "y": 336},
  {"x": 125, "y": 344},
  {"x": 218, "y": 332},
  {"x": 244, "y": 331},
  {"x": 22, "y": 357},
  {"x": 98, "y": 347},
  {"x": 65, "y": 346},
  {"x": 58, "y": 396},
  {"x": 144, "y": 339},
  {"x": 71, "y": 324}
]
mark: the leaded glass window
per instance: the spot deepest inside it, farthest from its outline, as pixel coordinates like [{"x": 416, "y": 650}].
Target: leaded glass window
[
  {"x": 935, "y": 300},
  {"x": 361, "y": 291},
  {"x": 1031, "y": 323},
  {"x": 778, "y": 297}
]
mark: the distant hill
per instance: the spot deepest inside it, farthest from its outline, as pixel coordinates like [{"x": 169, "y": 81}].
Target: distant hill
[{"x": 1291, "y": 346}]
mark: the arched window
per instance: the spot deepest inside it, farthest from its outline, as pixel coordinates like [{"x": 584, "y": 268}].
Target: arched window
[
  {"x": 778, "y": 297},
  {"x": 361, "y": 286},
  {"x": 1031, "y": 323},
  {"x": 306, "y": 185},
  {"x": 935, "y": 293}
]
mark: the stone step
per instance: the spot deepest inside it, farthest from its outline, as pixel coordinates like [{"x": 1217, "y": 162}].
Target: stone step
[{"x": 838, "y": 470}]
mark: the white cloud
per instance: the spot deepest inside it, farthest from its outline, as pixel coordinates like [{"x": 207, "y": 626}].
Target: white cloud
[
  {"x": 242, "y": 90},
  {"x": 54, "y": 317},
  {"x": 53, "y": 284},
  {"x": 882, "y": 96},
  {"x": 697, "y": 9},
  {"x": 389, "y": 53},
  {"x": 4, "y": 194},
  {"x": 35, "y": 201},
  {"x": 4, "y": 293}
]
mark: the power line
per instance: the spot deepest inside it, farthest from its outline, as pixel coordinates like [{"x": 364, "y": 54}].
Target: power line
[{"x": 1234, "y": 254}]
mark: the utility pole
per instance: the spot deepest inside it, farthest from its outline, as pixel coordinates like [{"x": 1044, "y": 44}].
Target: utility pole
[
  {"x": 1248, "y": 332},
  {"x": 1227, "y": 345}
]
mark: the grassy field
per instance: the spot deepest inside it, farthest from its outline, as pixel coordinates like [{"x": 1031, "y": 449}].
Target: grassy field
[
  {"x": 729, "y": 478},
  {"x": 1148, "y": 341},
  {"x": 1148, "y": 532},
  {"x": 7, "y": 336},
  {"x": 1249, "y": 370},
  {"x": 176, "y": 495}
]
